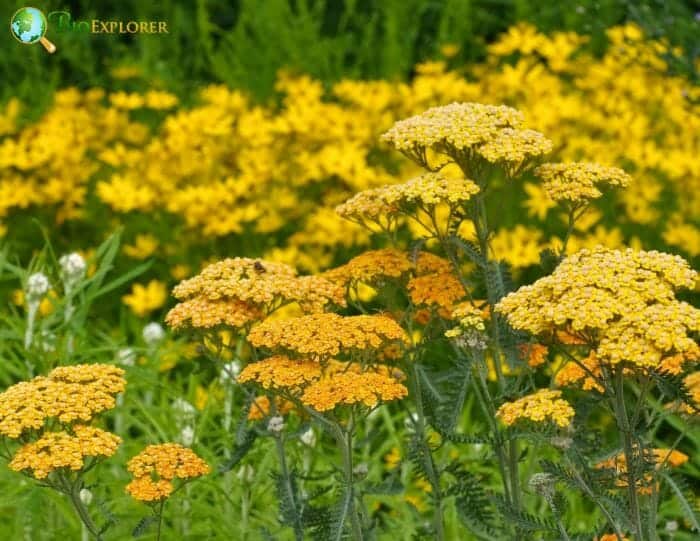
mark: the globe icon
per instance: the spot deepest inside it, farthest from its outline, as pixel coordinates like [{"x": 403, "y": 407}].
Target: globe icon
[{"x": 28, "y": 25}]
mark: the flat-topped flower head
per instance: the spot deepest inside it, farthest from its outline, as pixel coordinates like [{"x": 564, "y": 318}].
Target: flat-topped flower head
[
  {"x": 371, "y": 267},
  {"x": 514, "y": 149},
  {"x": 458, "y": 125},
  {"x": 279, "y": 371},
  {"x": 367, "y": 388},
  {"x": 327, "y": 335},
  {"x": 579, "y": 182},
  {"x": 261, "y": 285},
  {"x": 442, "y": 290},
  {"x": 383, "y": 205},
  {"x": 430, "y": 189},
  {"x": 204, "y": 313},
  {"x": 545, "y": 405},
  {"x": 464, "y": 131},
  {"x": 69, "y": 393},
  {"x": 157, "y": 466},
  {"x": 621, "y": 302},
  {"x": 64, "y": 450},
  {"x": 374, "y": 267},
  {"x": 585, "y": 374}
]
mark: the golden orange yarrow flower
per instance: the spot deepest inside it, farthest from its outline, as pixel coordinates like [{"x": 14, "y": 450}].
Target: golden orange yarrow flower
[
  {"x": 327, "y": 335},
  {"x": 436, "y": 290},
  {"x": 157, "y": 466},
  {"x": 64, "y": 450},
  {"x": 543, "y": 405}
]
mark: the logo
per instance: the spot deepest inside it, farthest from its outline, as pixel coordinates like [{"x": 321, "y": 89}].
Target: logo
[{"x": 28, "y": 25}]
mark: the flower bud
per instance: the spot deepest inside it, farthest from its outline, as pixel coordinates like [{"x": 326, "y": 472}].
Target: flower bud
[
  {"x": 153, "y": 333},
  {"x": 230, "y": 372},
  {"x": 309, "y": 438},
  {"x": 360, "y": 471},
  {"x": 542, "y": 484},
  {"x": 126, "y": 357},
  {"x": 187, "y": 435},
  {"x": 73, "y": 268},
  {"x": 37, "y": 286},
  {"x": 246, "y": 473},
  {"x": 276, "y": 424},
  {"x": 85, "y": 496}
]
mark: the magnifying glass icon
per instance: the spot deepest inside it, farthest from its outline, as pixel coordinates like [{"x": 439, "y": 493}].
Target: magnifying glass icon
[{"x": 28, "y": 25}]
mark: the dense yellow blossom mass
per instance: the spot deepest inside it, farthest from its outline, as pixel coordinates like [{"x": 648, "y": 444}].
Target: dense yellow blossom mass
[
  {"x": 620, "y": 302},
  {"x": 327, "y": 335},
  {"x": 68, "y": 394},
  {"x": 56, "y": 450},
  {"x": 155, "y": 468},
  {"x": 543, "y": 405}
]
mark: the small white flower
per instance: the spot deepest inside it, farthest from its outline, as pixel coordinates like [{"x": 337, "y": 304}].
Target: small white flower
[
  {"x": 672, "y": 526},
  {"x": 126, "y": 356},
  {"x": 153, "y": 333},
  {"x": 37, "y": 286},
  {"x": 409, "y": 422},
  {"x": 246, "y": 473},
  {"x": 360, "y": 470},
  {"x": 85, "y": 496},
  {"x": 276, "y": 424},
  {"x": 230, "y": 372},
  {"x": 72, "y": 267},
  {"x": 182, "y": 408},
  {"x": 309, "y": 438},
  {"x": 187, "y": 435}
]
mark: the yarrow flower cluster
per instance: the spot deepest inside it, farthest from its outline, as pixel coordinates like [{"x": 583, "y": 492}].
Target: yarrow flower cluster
[
  {"x": 656, "y": 457},
  {"x": 374, "y": 267},
  {"x": 68, "y": 394},
  {"x": 424, "y": 192},
  {"x": 543, "y": 405},
  {"x": 72, "y": 396},
  {"x": 579, "y": 182},
  {"x": 157, "y": 466},
  {"x": 238, "y": 291},
  {"x": 620, "y": 302},
  {"x": 327, "y": 335},
  {"x": 466, "y": 131},
  {"x": 442, "y": 290},
  {"x": 56, "y": 450}
]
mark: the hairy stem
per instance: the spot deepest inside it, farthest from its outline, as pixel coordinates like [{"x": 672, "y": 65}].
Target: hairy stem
[
  {"x": 429, "y": 465},
  {"x": 161, "y": 505},
  {"x": 630, "y": 458},
  {"x": 83, "y": 513},
  {"x": 344, "y": 440},
  {"x": 286, "y": 479}
]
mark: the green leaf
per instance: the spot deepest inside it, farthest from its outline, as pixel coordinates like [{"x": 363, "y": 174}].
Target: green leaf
[{"x": 680, "y": 488}]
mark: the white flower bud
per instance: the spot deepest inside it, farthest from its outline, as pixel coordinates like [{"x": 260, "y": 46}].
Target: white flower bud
[
  {"x": 543, "y": 484},
  {"x": 276, "y": 424},
  {"x": 85, "y": 496},
  {"x": 72, "y": 267},
  {"x": 37, "y": 286},
  {"x": 409, "y": 422},
  {"x": 246, "y": 473},
  {"x": 360, "y": 471},
  {"x": 153, "y": 333},
  {"x": 309, "y": 438},
  {"x": 672, "y": 526},
  {"x": 126, "y": 357},
  {"x": 187, "y": 435},
  {"x": 230, "y": 372},
  {"x": 182, "y": 408}
]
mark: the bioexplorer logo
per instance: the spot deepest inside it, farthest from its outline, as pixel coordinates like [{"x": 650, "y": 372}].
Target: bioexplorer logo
[{"x": 29, "y": 25}]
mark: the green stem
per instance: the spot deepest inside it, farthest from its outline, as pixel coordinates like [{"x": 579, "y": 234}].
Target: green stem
[
  {"x": 628, "y": 448},
  {"x": 344, "y": 439},
  {"x": 160, "y": 519},
  {"x": 433, "y": 477},
  {"x": 298, "y": 528},
  {"x": 83, "y": 513}
]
